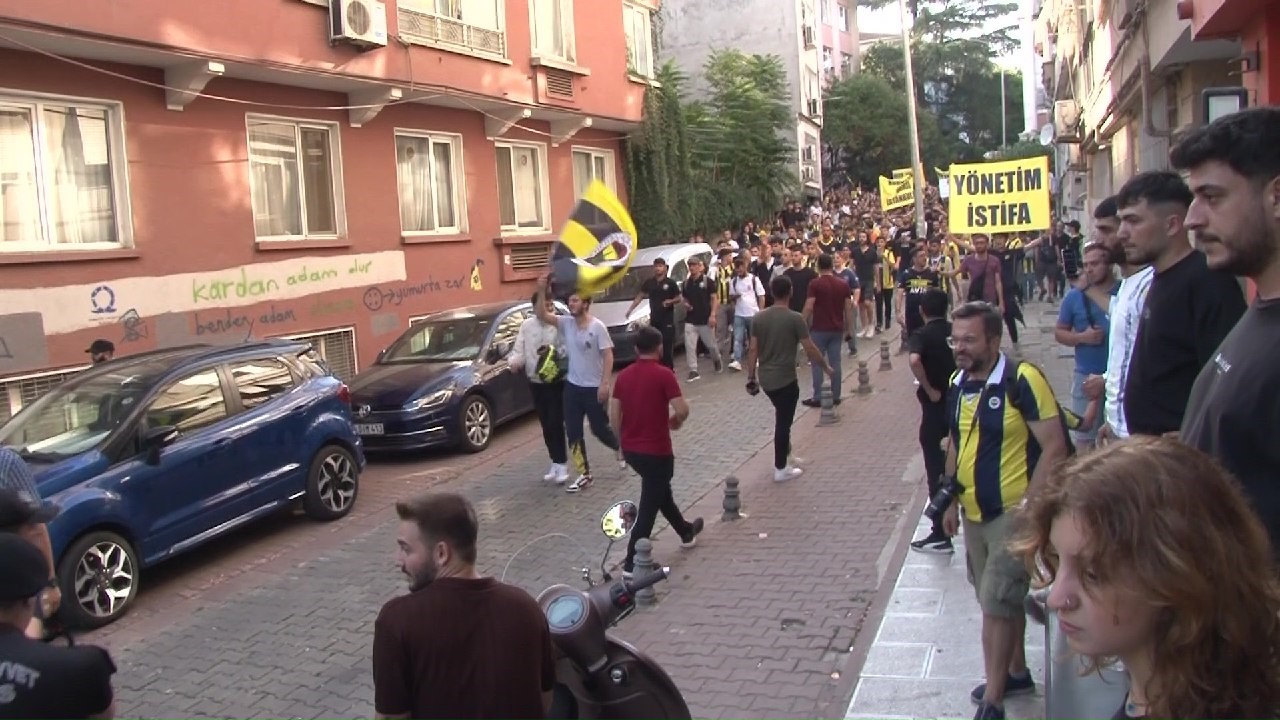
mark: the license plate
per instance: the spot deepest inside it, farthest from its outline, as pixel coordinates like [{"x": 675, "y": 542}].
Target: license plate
[{"x": 369, "y": 428}]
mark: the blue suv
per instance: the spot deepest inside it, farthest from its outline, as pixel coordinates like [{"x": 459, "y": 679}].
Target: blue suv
[{"x": 153, "y": 454}]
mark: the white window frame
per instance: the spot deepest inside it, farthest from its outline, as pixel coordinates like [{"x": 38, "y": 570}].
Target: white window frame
[
  {"x": 565, "y": 8},
  {"x": 335, "y": 171},
  {"x": 117, "y": 165},
  {"x": 11, "y": 387},
  {"x": 313, "y": 335},
  {"x": 454, "y": 140},
  {"x": 610, "y": 173},
  {"x": 629, "y": 12},
  {"x": 544, "y": 181},
  {"x": 842, "y": 17}
]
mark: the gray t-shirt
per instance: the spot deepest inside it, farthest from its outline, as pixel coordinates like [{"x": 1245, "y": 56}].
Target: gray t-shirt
[
  {"x": 585, "y": 348},
  {"x": 778, "y": 330}
]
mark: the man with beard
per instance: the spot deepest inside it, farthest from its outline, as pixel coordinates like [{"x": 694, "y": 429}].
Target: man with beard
[
  {"x": 1084, "y": 323},
  {"x": 1189, "y": 308},
  {"x": 663, "y": 294},
  {"x": 1005, "y": 437},
  {"x": 459, "y": 644},
  {"x": 1233, "y": 168}
]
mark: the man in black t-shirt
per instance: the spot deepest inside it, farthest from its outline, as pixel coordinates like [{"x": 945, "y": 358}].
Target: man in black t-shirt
[
  {"x": 1070, "y": 251},
  {"x": 1189, "y": 308},
  {"x": 663, "y": 294},
  {"x": 913, "y": 283},
  {"x": 40, "y": 680},
  {"x": 866, "y": 258},
  {"x": 800, "y": 275},
  {"x": 702, "y": 305},
  {"x": 933, "y": 363},
  {"x": 1232, "y": 413}
]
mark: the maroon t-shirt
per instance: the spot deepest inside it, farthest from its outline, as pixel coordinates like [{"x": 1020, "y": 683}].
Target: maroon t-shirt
[
  {"x": 829, "y": 294},
  {"x": 646, "y": 390},
  {"x": 989, "y": 271}
]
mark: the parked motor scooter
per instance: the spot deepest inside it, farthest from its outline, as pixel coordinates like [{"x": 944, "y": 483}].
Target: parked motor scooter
[{"x": 597, "y": 674}]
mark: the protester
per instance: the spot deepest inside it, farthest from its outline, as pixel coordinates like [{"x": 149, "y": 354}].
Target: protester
[
  {"x": 540, "y": 354},
  {"x": 589, "y": 350},
  {"x": 866, "y": 259},
  {"x": 1156, "y": 561},
  {"x": 1069, "y": 250},
  {"x": 1189, "y": 309},
  {"x": 101, "y": 351},
  {"x": 775, "y": 333},
  {"x": 702, "y": 306},
  {"x": 843, "y": 262},
  {"x": 663, "y": 295},
  {"x": 722, "y": 272},
  {"x": 829, "y": 313},
  {"x": 1005, "y": 437},
  {"x": 800, "y": 274},
  {"x": 1233, "y": 168},
  {"x": 459, "y": 644},
  {"x": 983, "y": 271},
  {"x": 16, "y": 478},
  {"x": 1049, "y": 267},
  {"x": 886, "y": 284},
  {"x": 1084, "y": 324},
  {"x": 1009, "y": 254},
  {"x": 747, "y": 295},
  {"x": 913, "y": 283},
  {"x": 646, "y": 406},
  {"x": 932, "y": 363}
]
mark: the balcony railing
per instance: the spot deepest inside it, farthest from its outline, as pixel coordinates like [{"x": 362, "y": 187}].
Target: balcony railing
[{"x": 424, "y": 28}]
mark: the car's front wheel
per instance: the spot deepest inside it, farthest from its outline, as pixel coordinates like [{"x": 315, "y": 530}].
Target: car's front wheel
[
  {"x": 98, "y": 577},
  {"x": 476, "y": 421},
  {"x": 332, "y": 484}
]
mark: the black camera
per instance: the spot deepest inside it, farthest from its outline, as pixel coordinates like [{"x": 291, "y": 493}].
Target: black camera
[{"x": 941, "y": 500}]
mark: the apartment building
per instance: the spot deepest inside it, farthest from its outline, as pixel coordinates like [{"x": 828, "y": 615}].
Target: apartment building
[
  {"x": 1257, "y": 25},
  {"x": 1125, "y": 78},
  {"x": 841, "y": 49},
  {"x": 791, "y": 29},
  {"x": 179, "y": 172}
]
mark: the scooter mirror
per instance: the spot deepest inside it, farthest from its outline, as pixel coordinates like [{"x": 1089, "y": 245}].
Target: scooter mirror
[{"x": 617, "y": 521}]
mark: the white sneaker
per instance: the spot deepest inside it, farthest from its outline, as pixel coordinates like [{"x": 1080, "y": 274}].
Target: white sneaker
[
  {"x": 582, "y": 483},
  {"x": 786, "y": 473},
  {"x": 871, "y": 333},
  {"x": 562, "y": 474},
  {"x": 551, "y": 473},
  {"x": 735, "y": 365}
]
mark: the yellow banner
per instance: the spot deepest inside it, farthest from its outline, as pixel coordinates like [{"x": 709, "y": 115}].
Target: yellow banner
[
  {"x": 999, "y": 197},
  {"x": 900, "y": 173},
  {"x": 896, "y": 192}
]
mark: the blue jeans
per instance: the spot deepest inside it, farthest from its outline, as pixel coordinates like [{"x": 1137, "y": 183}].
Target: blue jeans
[
  {"x": 1079, "y": 403},
  {"x": 580, "y": 403},
  {"x": 741, "y": 326},
  {"x": 828, "y": 342}
]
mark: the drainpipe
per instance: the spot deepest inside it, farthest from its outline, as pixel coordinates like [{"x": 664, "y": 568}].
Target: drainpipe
[{"x": 1140, "y": 15}]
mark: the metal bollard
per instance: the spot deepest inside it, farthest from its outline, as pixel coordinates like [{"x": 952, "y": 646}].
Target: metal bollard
[
  {"x": 644, "y": 565},
  {"x": 884, "y": 356},
  {"x": 828, "y": 415},
  {"x": 864, "y": 378},
  {"x": 732, "y": 500}
]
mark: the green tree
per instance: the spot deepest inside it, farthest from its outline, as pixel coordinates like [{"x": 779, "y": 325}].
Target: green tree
[
  {"x": 865, "y": 120},
  {"x": 659, "y": 170}
]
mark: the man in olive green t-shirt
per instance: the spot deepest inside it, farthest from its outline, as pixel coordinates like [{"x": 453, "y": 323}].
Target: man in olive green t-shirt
[{"x": 775, "y": 332}]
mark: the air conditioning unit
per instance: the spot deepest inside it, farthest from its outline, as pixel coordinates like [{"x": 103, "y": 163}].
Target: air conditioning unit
[
  {"x": 808, "y": 174},
  {"x": 1066, "y": 121},
  {"x": 814, "y": 108},
  {"x": 362, "y": 23},
  {"x": 810, "y": 37}
]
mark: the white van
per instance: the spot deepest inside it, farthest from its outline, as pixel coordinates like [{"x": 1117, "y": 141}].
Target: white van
[{"x": 611, "y": 305}]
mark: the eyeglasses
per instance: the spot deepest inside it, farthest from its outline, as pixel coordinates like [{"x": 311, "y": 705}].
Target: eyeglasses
[{"x": 967, "y": 341}]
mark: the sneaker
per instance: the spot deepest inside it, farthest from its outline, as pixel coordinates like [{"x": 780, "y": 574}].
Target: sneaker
[
  {"x": 987, "y": 711},
  {"x": 719, "y": 366},
  {"x": 811, "y": 402},
  {"x": 835, "y": 401},
  {"x": 562, "y": 474},
  {"x": 622, "y": 463},
  {"x": 688, "y": 541},
  {"x": 937, "y": 543},
  {"x": 786, "y": 473},
  {"x": 693, "y": 375},
  {"x": 1013, "y": 685},
  {"x": 582, "y": 483},
  {"x": 551, "y": 473},
  {"x": 735, "y": 366},
  {"x": 628, "y": 574}
]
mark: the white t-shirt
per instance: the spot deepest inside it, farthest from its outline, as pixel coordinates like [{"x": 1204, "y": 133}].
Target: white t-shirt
[
  {"x": 748, "y": 289},
  {"x": 1126, "y": 314}
]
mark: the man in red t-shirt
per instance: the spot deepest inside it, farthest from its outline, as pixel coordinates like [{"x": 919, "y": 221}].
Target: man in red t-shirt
[
  {"x": 829, "y": 310},
  {"x": 646, "y": 406}
]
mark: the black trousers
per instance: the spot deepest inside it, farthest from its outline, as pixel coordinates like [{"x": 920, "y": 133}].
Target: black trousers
[
  {"x": 933, "y": 429},
  {"x": 580, "y": 403},
  {"x": 784, "y": 401},
  {"x": 548, "y": 400},
  {"x": 655, "y": 473},
  {"x": 884, "y": 308},
  {"x": 668, "y": 344},
  {"x": 1010, "y": 321}
]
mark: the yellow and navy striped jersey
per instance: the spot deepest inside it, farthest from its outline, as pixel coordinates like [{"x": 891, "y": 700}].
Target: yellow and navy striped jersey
[
  {"x": 996, "y": 452},
  {"x": 723, "y": 276},
  {"x": 888, "y": 270}
]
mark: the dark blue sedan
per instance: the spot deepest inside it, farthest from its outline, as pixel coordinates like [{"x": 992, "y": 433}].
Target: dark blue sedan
[
  {"x": 444, "y": 382},
  {"x": 153, "y": 454}
]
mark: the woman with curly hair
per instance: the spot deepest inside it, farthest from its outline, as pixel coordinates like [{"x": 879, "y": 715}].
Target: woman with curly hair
[{"x": 1157, "y": 560}]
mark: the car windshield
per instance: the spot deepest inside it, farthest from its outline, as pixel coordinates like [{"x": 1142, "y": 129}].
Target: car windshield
[
  {"x": 628, "y": 287},
  {"x": 79, "y": 414},
  {"x": 443, "y": 340}
]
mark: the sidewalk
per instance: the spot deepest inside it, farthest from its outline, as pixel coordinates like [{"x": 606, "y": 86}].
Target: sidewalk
[{"x": 927, "y": 652}]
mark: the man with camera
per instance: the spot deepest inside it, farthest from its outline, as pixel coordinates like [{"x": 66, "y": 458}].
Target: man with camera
[
  {"x": 1005, "y": 435},
  {"x": 933, "y": 364}
]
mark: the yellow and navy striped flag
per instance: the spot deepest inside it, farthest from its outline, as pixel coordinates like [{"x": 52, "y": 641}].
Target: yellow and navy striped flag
[{"x": 596, "y": 246}]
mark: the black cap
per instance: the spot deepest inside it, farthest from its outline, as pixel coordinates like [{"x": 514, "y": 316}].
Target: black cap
[
  {"x": 101, "y": 346},
  {"x": 23, "y": 570},
  {"x": 1073, "y": 224},
  {"x": 19, "y": 508}
]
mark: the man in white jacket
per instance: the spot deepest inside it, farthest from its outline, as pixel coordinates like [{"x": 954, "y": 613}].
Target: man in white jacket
[{"x": 535, "y": 341}]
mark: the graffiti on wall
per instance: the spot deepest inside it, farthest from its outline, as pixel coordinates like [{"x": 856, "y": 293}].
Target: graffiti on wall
[
  {"x": 377, "y": 297},
  {"x": 70, "y": 308}
]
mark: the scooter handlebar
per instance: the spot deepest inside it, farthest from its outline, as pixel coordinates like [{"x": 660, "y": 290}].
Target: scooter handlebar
[{"x": 635, "y": 585}]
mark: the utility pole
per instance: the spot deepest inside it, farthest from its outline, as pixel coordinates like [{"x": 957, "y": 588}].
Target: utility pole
[
  {"x": 917, "y": 168},
  {"x": 1004, "y": 113}
]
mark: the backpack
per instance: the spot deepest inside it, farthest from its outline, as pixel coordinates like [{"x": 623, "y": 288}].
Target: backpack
[
  {"x": 1066, "y": 417},
  {"x": 1047, "y": 253}
]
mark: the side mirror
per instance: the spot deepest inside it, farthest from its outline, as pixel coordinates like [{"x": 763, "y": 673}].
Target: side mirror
[
  {"x": 617, "y": 521},
  {"x": 153, "y": 440}
]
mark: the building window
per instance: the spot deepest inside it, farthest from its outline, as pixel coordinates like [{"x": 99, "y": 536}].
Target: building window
[
  {"x": 468, "y": 26},
  {"x": 429, "y": 173},
  {"x": 828, "y": 63},
  {"x": 552, "y": 25},
  {"x": 62, "y": 176},
  {"x": 592, "y": 164},
  {"x": 523, "y": 187},
  {"x": 842, "y": 18},
  {"x": 337, "y": 348},
  {"x": 293, "y": 179},
  {"x": 846, "y": 64},
  {"x": 18, "y": 392},
  {"x": 636, "y": 21}
]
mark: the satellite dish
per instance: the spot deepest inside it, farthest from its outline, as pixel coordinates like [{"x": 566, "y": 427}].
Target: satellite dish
[{"x": 1046, "y": 135}]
